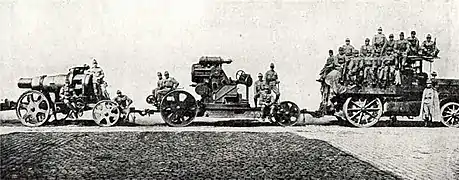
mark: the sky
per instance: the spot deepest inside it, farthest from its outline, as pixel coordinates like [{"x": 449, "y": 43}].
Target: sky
[{"x": 133, "y": 40}]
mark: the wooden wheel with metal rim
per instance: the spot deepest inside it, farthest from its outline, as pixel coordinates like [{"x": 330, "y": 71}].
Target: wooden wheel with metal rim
[
  {"x": 287, "y": 113},
  {"x": 450, "y": 114},
  {"x": 178, "y": 108},
  {"x": 33, "y": 108},
  {"x": 363, "y": 112},
  {"x": 106, "y": 113}
]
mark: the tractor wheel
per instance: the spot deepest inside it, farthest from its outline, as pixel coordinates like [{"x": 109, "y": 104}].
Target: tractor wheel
[
  {"x": 178, "y": 108},
  {"x": 287, "y": 113},
  {"x": 450, "y": 114},
  {"x": 106, "y": 113},
  {"x": 363, "y": 112},
  {"x": 33, "y": 108}
]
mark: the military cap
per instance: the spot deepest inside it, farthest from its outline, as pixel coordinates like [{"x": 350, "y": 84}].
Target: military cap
[
  {"x": 367, "y": 40},
  {"x": 341, "y": 49},
  {"x": 166, "y": 73},
  {"x": 391, "y": 35},
  {"x": 429, "y": 36},
  {"x": 159, "y": 74},
  {"x": 413, "y": 32},
  {"x": 348, "y": 40},
  {"x": 330, "y": 51},
  {"x": 118, "y": 92},
  {"x": 260, "y": 75},
  {"x": 271, "y": 65},
  {"x": 434, "y": 74},
  {"x": 402, "y": 34},
  {"x": 380, "y": 29},
  {"x": 94, "y": 61}
]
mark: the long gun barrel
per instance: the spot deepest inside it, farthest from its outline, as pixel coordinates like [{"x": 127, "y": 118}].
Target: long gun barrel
[
  {"x": 213, "y": 61},
  {"x": 47, "y": 83}
]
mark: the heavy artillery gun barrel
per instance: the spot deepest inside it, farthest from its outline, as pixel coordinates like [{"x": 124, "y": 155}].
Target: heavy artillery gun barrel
[
  {"x": 46, "y": 83},
  {"x": 214, "y": 61}
]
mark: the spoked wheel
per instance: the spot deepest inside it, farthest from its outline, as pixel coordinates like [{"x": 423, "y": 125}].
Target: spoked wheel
[
  {"x": 178, "y": 108},
  {"x": 363, "y": 112},
  {"x": 33, "y": 108},
  {"x": 450, "y": 114},
  {"x": 106, "y": 113},
  {"x": 287, "y": 113}
]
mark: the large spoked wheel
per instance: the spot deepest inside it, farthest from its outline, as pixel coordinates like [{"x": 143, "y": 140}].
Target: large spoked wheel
[
  {"x": 178, "y": 108},
  {"x": 450, "y": 114},
  {"x": 33, "y": 108},
  {"x": 287, "y": 113},
  {"x": 106, "y": 113},
  {"x": 363, "y": 112}
]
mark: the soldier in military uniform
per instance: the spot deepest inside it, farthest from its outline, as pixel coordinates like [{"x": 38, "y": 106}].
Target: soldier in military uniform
[
  {"x": 258, "y": 86},
  {"x": 389, "y": 45},
  {"x": 377, "y": 66},
  {"x": 123, "y": 102},
  {"x": 401, "y": 50},
  {"x": 386, "y": 76},
  {"x": 329, "y": 65},
  {"x": 272, "y": 80},
  {"x": 267, "y": 101},
  {"x": 159, "y": 86},
  {"x": 67, "y": 95},
  {"x": 430, "y": 106},
  {"x": 169, "y": 84},
  {"x": 379, "y": 40},
  {"x": 429, "y": 47},
  {"x": 348, "y": 48},
  {"x": 353, "y": 68},
  {"x": 98, "y": 80},
  {"x": 367, "y": 50},
  {"x": 341, "y": 62}
]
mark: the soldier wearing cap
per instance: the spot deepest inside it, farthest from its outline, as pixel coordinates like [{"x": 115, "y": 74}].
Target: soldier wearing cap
[
  {"x": 159, "y": 86},
  {"x": 67, "y": 95},
  {"x": 413, "y": 48},
  {"x": 341, "y": 62},
  {"x": 401, "y": 50},
  {"x": 123, "y": 102},
  {"x": 430, "y": 107},
  {"x": 389, "y": 45},
  {"x": 429, "y": 47},
  {"x": 348, "y": 48},
  {"x": 386, "y": 75},
  {"x": 272, "y": 80},
  {"x": 258, "y": 86},
  {"x": 329, "y": 66},
  {"x": 379, "y": 40},
  {"x": 367, "y": 50},
  {"x": 354, "y": 68},
  {"x": 98, "y": 82},
  {"x": 169, "y": 84},
  {"x": 267, "y": 101}
]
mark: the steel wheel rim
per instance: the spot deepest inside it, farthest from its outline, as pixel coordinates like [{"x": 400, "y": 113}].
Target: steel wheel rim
[
  {"x": 33, "y": 108},
  {"x": 450, "y": 114},
  {"x": 106, "y": 113},
  {"x": 363, "y": 112},
  {"x": 178, "y": 108},
  {"x": 287, "y": 114}
]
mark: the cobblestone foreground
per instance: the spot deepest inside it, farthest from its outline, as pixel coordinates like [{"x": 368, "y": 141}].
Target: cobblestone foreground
[{"x": 184, "y": 155}]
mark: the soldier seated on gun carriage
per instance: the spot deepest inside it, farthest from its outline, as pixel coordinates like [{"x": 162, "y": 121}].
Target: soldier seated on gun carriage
[
  {"x": 259, "y": 86},
  {"x": 267, "y": 103},
  {"x": 123, "y": 103},
  {"x": 168, "y": 84},
  {"x": 68, "y": 96},
  {"x": 429, "y": 47}
]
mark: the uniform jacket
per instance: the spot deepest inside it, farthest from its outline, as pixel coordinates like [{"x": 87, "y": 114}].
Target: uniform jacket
[
  {"x": 97, "y": 74},
  {"x": 271, "y": 76},
  {"x": 388, "y": 46},
  {"x": 430, "y": 97},
  {"x": 366, "y": 50},
  {"x": 123, "y": 101},
  {"x": 258, "y": 85},
  {"x": 66, "y": 92},
  {"x": 267, "y": 99},
  {"x": 429, "y": 46},
  {"x": 348, "y": 49},
  {"x": 401, "y": 45},
  {"x": 170, "y": 82},
  {"x": 379, "y": 40}
]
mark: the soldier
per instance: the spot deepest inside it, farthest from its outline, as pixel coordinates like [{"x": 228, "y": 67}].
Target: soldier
[
  {"x": 329, "y": 65},
  {"x": 272, "y": 80},
  {"x": 430, "y": 107},
  {"x": 366, "y": 50},
  {"x": 348, "y": 48},
  {"x": 386, "y": 76},
  {"x": 389, "y": 45},
  {"x": 353, "y": 68},
  {"x": 98, "y": 80},
  {"x": 160, "y": 85},
  {"x": 415, "y": 39},
  {"x": 429, "y": 47},
  {"x": 123, "y": 102},
  {"x": 379, "y": 40},
  {"x": 376, "y": 68},
  {"x": 169, "y": 84},
  {"x": 266, "y": 102},
  {"x": 258, "y": 86},
  {"x": 401, "y": 50},
  {"x": 67, "y": 95},
  {"x": 341, "y": 62}
]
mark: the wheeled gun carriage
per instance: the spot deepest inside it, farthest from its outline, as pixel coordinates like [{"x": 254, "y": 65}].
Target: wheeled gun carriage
[
  {"x": 219, "y": 96},
  {"x": 42, "y": 101},
  {"x": 364, "y": 106}
]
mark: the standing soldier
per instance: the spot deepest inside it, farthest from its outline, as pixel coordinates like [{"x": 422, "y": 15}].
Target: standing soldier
[
  {"x": 259, "y": 85},
  {"x": 414, "y": 39},
  {"x": 430, "y": 107},
  {"x": 348, "y": 48},
  {"x": 341, "y": 62},
  {"x": 389, "y": 45},
  {"x": 159, "y": 86},
  {"x": 123, "y": 102},
  {"x": 366, "y": 50},
  {"x": 272, "y": 80},
  {"x": 429, "y": 47},
  {"x": 67, "y": 95},
  {"x": 376, "y": 68},
  {"x": 355, "y": 69},
  {"x": 329, "y": 65},
  {"x": 98, "y": 79},
  {"x": 386, "y": 76},
  {"x": 413, "y": 45},
  {"x": 401, "y": 50},
  {"x": 379, "y": 40}
]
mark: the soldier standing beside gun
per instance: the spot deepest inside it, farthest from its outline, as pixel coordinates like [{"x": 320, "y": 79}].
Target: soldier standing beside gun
[
  {"x": 379, "y": 40},
  {"x": 123, "y": 102},
  {"x": 67, "y": 95},
  {"x": 430, "y": 107},
  {"x": 259, "y": 87},
  {"x": 98, "y": 80},
  {"x": 429, "y": 47},
  {"x": 367, "y": 53},
  {"x": 272, "y": 80}
]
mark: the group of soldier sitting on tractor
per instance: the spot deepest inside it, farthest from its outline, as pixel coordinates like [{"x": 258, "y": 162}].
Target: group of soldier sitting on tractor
[{"x": 164, "y": 85}]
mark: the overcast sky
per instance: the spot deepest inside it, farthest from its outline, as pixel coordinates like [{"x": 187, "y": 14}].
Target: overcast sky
[{"x": 132, "y": 40}]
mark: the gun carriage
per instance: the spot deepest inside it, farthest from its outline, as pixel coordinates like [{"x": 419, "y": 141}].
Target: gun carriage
[
  {"x": 364, "y": 106},
  {"x": 42, "y": 101}
]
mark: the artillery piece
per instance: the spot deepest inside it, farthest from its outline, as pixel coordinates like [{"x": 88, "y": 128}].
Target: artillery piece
[
  {"x": 42, "y": 102},
  {"x": 219, "y": 95}
]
